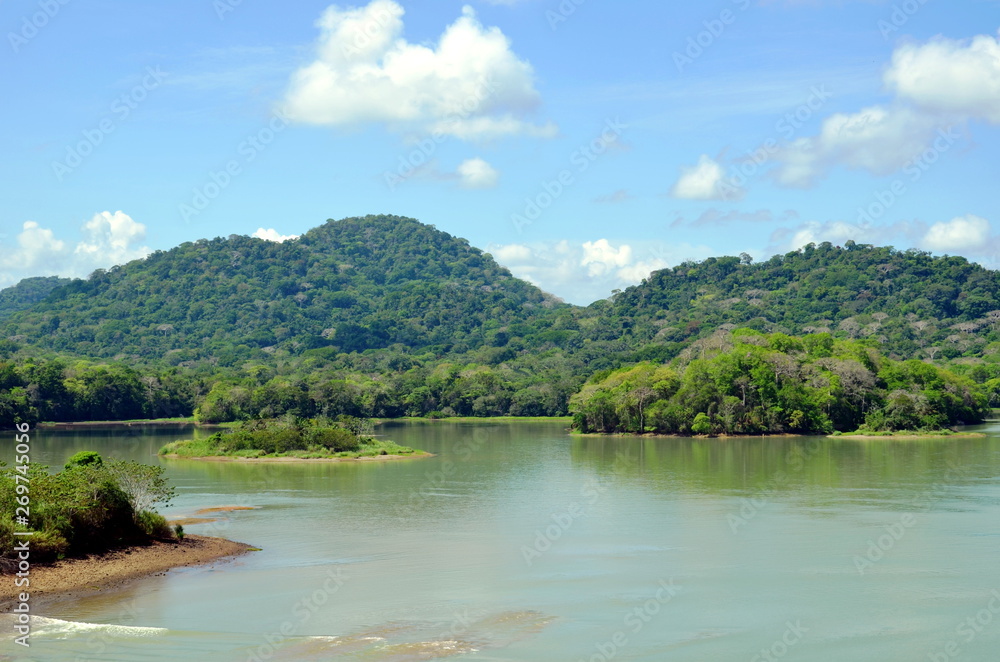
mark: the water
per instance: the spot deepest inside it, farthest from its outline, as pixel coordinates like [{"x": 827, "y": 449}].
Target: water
[{"x": 519, "y": 542}]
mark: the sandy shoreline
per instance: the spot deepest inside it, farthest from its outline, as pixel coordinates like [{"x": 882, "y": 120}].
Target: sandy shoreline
[
  {"x": 74, "y": 578},
  {"x": 227, "y": 458}
]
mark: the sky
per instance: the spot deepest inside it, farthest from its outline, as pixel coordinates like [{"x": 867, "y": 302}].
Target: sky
[{"x": 583, "y": 143}]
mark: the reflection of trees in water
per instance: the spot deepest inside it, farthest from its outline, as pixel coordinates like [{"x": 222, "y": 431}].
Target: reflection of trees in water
[{"x": 791, "y": 464}]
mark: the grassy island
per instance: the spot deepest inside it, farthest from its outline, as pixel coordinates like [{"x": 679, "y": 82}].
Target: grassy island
[{"x": 303, "y": 439}]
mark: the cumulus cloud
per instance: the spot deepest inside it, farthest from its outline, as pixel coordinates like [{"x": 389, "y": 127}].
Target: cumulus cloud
[
  {"x": 588, "y": 271},
  {"x": 965, "y": 233},
  {"x": 601, "y": 258},
  {"x": 878, "y": 139},
  {"x": 106, "y": 239},
  {"x": 271, "y": 234},
  {"x": 704, "y": 181},
  {"x": 936, "y": 85},
  {"x": 960, "y": 77},
  {"x": 477, "y": 174},
  {"x": 469, "y": 85}
]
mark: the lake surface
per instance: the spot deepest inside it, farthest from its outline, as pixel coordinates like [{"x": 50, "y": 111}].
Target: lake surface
[{"x": 519, "y": 542}]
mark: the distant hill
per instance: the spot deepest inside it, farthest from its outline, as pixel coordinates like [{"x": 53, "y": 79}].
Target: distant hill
[
  {"x": 348, "y": 285},
  {"x": 910, "y": 302},
  {"x": 27, "y": 293}
]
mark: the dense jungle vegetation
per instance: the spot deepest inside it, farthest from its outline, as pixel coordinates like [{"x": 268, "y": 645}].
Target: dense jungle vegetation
[{"x": 383, "y": 316}]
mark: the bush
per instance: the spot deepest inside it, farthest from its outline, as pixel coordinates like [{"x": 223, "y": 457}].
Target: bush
[
  {"x": 154, "y": 525},
  {"x": 179, "y": 531}
]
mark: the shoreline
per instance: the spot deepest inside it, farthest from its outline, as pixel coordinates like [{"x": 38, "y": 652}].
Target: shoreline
[
  {"x": 288, "y": 459},
  {"x": 72, "y": 425},
  {"x": 75, "y": 578}
]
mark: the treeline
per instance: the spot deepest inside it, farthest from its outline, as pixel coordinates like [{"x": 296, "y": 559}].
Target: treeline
[
  {"x": 33, "y": 391},
  {"x": 439, "y": 390},
  {"x": 748, "y": 383}
]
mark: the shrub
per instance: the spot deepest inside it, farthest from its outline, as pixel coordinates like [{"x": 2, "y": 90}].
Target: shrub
[
  {"x": 84, "y": 459},
  {"x": 154, "y": 524},
  {"x": 179, "y": 531}
]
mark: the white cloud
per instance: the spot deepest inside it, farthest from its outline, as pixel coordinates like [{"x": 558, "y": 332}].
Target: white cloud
[
  {"x": 470, "y": 84},
  {"x": 585, "y": 272},
  {"x": 107, "y": 239},
  {"x": 35, "y": 246},
  {"x": 601, "y": 258},
  {"x": 705, "y": 181},
  {"x": 959, "y": 77},
  {"x": 963, "y": 233},
  {"x": 110, "y": 238},
  {"x": 271, "y": 234},
  {"x": 477, "y": 173},
  {"x": 878, "y": 139}
]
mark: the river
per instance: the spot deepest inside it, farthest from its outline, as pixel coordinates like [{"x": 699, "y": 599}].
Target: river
[{"x": 520, "y": 542}]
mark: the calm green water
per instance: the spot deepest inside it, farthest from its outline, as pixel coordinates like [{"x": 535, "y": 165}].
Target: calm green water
[{"x": 518, "y": 542}]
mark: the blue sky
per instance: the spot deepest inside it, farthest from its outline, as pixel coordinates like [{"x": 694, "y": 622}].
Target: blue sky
[{"x": 582, "y": 142}]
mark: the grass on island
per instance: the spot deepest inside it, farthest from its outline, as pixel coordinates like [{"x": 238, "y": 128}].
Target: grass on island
[
  {"x": 909, "y": 434},
  {"x": 430, "y": 418},
  {"x": 304, "y": 439}
]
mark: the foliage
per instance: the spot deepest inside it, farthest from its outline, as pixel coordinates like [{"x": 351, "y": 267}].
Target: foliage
[
  {"x": 27, "y": 293},
  {"x": 80, "y": 510},
  {"x": 143, "y": 484},
  {"x": 288, "y": 437},
  {"x": 154, "y": 525},
  {"x": 750, "y": 383},
  {"x": 84, "y": 459},
  {"x": 383, "y": 316}
]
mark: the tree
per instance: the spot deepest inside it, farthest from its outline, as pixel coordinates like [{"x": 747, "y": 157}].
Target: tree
[
  {"x": 144, "y": 485},
  {"x": 85, "y": 459}
]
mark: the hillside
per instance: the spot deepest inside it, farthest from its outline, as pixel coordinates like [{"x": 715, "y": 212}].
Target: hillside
[
  {"x": 912, "y": 304},
  {"x": 384, "y": 316},
  {"x": 346, "y": 286},
  {"x": 27, "y": 293}
]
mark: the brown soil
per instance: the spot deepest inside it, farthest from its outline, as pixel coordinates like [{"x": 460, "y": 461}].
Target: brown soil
[{"x": 73, "y": 578}]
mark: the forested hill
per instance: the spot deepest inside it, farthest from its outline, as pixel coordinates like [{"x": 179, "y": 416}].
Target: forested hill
[
  {"x": 27, "y": 293},
  {"x": 911, "y": 303},
  {"x": 348, "y": 285}
]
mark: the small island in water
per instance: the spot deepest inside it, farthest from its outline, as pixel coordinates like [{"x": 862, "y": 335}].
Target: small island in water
[{"x": 290, "y": 440}]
